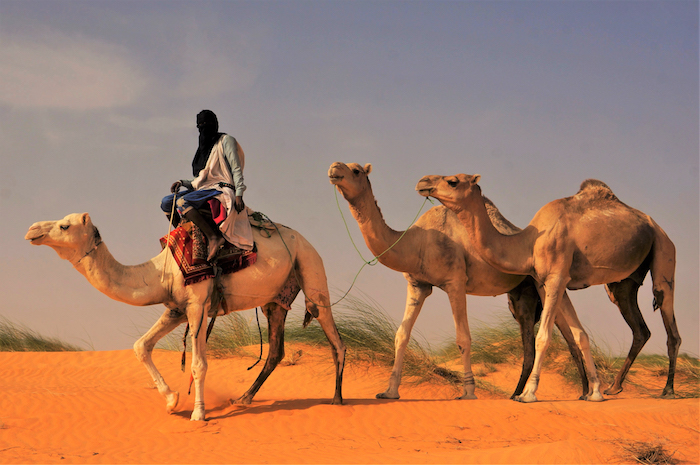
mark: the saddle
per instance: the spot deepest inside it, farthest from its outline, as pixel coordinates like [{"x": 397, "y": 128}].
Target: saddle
[{"x": 189, "y": 247}]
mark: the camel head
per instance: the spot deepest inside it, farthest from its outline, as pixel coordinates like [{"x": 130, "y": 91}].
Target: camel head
[
  {"x": 451, "y": 191},
  {"x": 350, "y": 180},
  {"x": 72, "y": 238}
]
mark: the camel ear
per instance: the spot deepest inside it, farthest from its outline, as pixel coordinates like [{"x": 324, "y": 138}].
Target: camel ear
[
  {"x": 368, "y": 168},
  {"x": 85, "y": 218},
  {"x": 475, "y": 178}
]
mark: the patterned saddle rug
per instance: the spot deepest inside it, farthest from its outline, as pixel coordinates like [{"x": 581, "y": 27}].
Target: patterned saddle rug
[{"x": 189, "y": 247}]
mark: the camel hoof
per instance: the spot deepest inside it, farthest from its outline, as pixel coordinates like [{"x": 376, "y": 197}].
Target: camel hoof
[
  {"x": 387, "y": 395},
  {"x": 197, "y": 415},
  {"x": 668, "y": 393},
  {"x": 171, "y": 401},
  {"x": 613, "y": 390},
  {"x": 597, "y": 397},
  {"x": 466, "y": 397},
  {"x": 337, "y": 401},
  {"x": 525, "y": 398},
  {"x": 243, "y": 400}
]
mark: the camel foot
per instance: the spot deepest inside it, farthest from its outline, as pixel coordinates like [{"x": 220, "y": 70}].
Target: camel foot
[
  {"x": 668, "y": 395},
  {"x": 466, "y": 397},
  {"x": 337, "y": 401},
  {"x": 595, "y": 397},
  {"x": 243, "y": 400},
  {"x": 171, "y": 401},
  {"x": 388, "y": 395},
  {"x": 197, "y": 414},
  {"x": 612, "y": 390},
  {"x": 525, "y": 398}
]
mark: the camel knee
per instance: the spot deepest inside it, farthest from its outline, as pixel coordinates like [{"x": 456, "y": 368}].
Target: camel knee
[
  {"x": 142, "y": 350},
  {"x": 199, "y": 367},
  {"x": 542, "y": 342},
  {"x": 581, "y": 338}
]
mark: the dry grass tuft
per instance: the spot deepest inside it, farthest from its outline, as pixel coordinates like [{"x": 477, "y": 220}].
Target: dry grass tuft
[
  {"x": 648, "y": 453},
  {"x": 15, "y": 338}
]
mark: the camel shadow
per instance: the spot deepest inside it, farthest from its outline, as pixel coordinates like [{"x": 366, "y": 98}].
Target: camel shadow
[{"x": 263, "y": 407}]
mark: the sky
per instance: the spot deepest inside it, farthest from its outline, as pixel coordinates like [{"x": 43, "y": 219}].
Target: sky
[{"x": 97, "y": 114}]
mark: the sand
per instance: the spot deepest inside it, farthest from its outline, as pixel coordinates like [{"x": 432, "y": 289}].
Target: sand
[{"x": 101, "y": 407}]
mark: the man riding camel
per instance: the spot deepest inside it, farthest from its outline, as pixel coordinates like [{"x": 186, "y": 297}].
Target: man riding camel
[{"x": 217, "y": 188}]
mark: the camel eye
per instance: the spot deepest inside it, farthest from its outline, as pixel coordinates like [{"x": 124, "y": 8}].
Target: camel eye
[
  {"x": 356, "y": 171},
  {"x": 453, "y": 183},
  {"x": 64, "y": 227}
]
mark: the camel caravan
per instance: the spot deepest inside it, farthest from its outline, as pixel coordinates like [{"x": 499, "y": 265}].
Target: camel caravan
[{"x": 463, "y": 247}]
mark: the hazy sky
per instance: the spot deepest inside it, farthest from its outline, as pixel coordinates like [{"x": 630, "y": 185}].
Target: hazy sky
[{"x": 97, "y": 114}]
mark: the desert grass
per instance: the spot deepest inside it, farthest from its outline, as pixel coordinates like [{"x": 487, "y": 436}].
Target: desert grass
[
  {"x": 647, "y": 453},
  {"x": 368, "y": 333},
  {"x": 17, "y": 338},
  {"x": 366, "y": 329}
]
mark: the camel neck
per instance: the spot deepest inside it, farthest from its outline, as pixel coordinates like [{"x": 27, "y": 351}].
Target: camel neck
[
  {"x": 379, "y": 237},
  {"x": 135, "y": 285},
  {"x": 507, "y": 253}
]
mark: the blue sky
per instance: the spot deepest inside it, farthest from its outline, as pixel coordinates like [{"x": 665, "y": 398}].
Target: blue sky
[{"x": 98, "y": 103}]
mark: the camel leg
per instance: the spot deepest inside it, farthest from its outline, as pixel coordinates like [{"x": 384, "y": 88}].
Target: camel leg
[
  {"x": 197, "y": 312},
  {"x": 574, "y": 350},
  {"x": 325, "y": 319},
  {"x": 276, "y": 316},
  {"x": 556, "y": 300},
  {"x": 312, "y": 276},
  {"x": 624, "y": 295},
  {"x": 523, "y": 302},
  {"x": 544, "y": 335},
  {"x": 583, "y": 342},
  {"x": 663, "y": 268},
  {"x": 416, "y": 294},
  {"x": 144, "y": 349},
  {"x": 458, "y": 301}
]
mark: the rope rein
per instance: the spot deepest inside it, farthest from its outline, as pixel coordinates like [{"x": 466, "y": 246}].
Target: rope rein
[{"x": 371, "y": 262}]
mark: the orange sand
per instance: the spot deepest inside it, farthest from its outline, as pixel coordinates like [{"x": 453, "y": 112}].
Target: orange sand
[{"x": 101, "y": 407}]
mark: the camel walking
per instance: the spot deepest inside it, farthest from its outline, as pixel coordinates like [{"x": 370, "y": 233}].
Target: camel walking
[
  {"x": 284, "y": 255},
  {"x": 572, "y": 243},
  {"x": 438, "y": 252}
]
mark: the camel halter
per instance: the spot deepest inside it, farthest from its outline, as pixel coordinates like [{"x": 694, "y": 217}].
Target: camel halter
[
  {"x": 88, "y": 253},
  {"x": 374, "y": 259}
]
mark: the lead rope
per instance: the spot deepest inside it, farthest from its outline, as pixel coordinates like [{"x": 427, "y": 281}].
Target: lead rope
[
  {"x": 371, "y": 262},
  {"x": 261, "y": 342},
  {"x": 167, "y": 237}
]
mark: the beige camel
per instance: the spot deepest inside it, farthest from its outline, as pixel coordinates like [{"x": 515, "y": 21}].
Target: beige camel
[
  {"x": 579, "y": 241},
  {"x": 159, "y": 280},
  {"x": 436, "y": 251}
]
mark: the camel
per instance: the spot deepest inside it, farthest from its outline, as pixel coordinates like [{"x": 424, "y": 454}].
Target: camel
[
  {"x": 284, "y": 255},
  {"x": 436, "y": 251},
  {"x": 572, "y": 243}
]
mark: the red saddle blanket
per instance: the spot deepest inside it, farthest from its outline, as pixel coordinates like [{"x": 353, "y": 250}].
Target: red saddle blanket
[{"x": 189, "y": 247}]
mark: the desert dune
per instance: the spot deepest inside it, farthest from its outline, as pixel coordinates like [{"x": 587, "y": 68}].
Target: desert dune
[{"x": 101, "y": 407}]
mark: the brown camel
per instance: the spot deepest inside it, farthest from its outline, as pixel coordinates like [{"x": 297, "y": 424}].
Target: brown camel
[
  {"x": 283, "y": 254},
  {"x": 576, "y": 242},
  {"x": 436, "y": 251}
]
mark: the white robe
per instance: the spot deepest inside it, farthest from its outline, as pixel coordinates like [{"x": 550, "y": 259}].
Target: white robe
[{"x": 236, "y": 228}]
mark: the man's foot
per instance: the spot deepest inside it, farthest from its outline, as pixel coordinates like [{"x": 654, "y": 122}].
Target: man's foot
[{"x": 216, "y": 243}]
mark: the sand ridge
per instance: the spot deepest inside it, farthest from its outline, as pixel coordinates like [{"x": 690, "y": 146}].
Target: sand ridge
[{"x": 101, "y": 407}]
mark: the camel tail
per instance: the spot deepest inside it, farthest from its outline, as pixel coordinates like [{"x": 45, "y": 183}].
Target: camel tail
[{"x": 663, "y": 269}]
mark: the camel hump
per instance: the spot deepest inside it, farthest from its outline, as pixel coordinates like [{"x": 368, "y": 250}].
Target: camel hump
[
  {"x": 498, "y": 220},
  {"x": 593, "y": 188}
]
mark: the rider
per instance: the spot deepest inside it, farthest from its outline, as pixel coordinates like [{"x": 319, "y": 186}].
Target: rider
[{"x": 218, "y": 174}]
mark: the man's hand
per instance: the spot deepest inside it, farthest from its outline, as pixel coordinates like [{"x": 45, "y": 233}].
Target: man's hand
[
  {"x": 238, "y": 204},
  {"x": 175, "y": 187}
]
